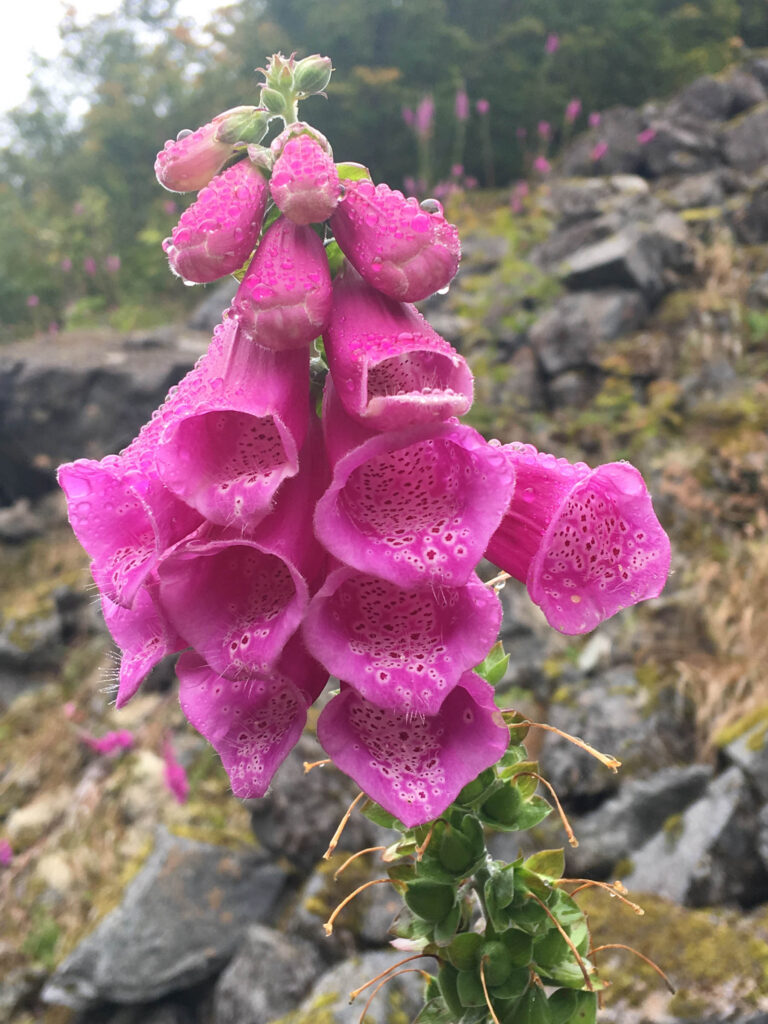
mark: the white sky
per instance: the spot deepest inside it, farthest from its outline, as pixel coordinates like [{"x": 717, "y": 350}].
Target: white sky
[{"x": 32, "y": 26}]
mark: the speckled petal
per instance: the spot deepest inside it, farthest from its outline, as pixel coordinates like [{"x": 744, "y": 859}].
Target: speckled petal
[
  {"x": 403, "y": 250},
  {"x": 390, "y": 368},
  {"x": 401, "y": 648},
  {"x": 414, "y": 766}
]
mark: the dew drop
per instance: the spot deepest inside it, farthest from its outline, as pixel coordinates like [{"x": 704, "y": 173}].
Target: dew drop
[{"x": 183, "y": 134}]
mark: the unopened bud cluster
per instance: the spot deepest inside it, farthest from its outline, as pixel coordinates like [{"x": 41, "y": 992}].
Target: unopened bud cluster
[{"x": 274, "y": 546}]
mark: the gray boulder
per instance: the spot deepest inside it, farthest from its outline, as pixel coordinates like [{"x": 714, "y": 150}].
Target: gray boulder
[
  {"x": 718, "y": 98},
  {"x": 708, "y": 855},
  {"x": 216, "y": 299},
  {"x": 681, "y": 146},
  {"x": 180, "y": 921},
  {"x": 750, "y": 752},
  {"x": 749, "y": 220},
  {"x": 268, "y": 976},
  {"x": 745, "y": 141},
  {"x": 619, "y": 130}
]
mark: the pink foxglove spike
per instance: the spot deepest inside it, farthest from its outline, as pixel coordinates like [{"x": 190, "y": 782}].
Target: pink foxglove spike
[
  {"x": 587, "y": 543},
  {"x": 305, "y": 183},
  {"x": 253, "y": 723},
  {"x": 400, "y": 648},
  {"x": 414, "y": 765},
  {"x": 284, "y": 300},
  {"x": 413, "y": 506},
  {"x": 218, "y": 232},
  {"x": 404, "y": 250},
  {"x": 390, "y": 367},
  {"x": 188, "y": 162},
  {"x": 236, "y": 436},
  {"x": 144, "y": 636}
]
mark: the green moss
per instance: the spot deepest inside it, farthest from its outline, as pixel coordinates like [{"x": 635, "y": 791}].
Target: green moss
[
  {"x": 757, "y": 720},
  {"x": 42, "y": 939},
  {"x": 673, "y": 830}
]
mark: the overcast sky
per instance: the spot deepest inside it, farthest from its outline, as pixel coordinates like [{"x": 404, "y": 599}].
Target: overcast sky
[{"x": 32, "y": 26}]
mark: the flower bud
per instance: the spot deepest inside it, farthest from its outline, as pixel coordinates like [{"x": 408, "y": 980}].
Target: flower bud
[
  {"x": 312, "y": 74},
  {"x": 190, "y": 161},
  {"x": 431, "y": 901},
  {"x": 503, "y": 805},
  {"x": 305, "y": 182},
  {"x": 274, "y": 101}
]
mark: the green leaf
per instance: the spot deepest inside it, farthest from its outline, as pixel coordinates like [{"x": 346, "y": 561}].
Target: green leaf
[
  {"x": 335, "y": 257},
  {"x": 431, "y": 901},
  {"x": 533, "y": 1008},
  {"x": 464, "y": 951},
  {"x": 549, "y": 863},
  {"x": 494, "y": 665},
  {"x": 514, "y": 984},
  {"x": 447, "y": 927},
  {"x": 353, "y": 172},
  {"x": 475, "y": 790},
  {"x": 531, "y": 813},
  {"x": 470, "y": 989},
  {"x": 519, "y": 947},
  {"x": 379, "y": 816},
  {"x": 435, "y": 1012},
  {"x": 447, "y": 980},
  {"x": 526, "y": 784},
  {"x": 568, "y": 1006}
]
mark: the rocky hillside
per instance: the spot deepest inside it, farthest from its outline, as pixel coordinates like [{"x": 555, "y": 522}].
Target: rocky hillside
[{"x": 622, "y": 314}]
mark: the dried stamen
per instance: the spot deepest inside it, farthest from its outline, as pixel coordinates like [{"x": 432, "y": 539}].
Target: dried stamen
[
  {"x": 328, "y": 926},
  {"x": 572, "y": 840},
  {"x": 645, "y": 959},
  {"x": 566, "y": 936},
  {"x": 342, "y": 825}
]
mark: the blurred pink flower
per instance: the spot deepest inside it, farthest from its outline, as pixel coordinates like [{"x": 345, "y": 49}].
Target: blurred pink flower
[
  {"x": 552, "y": 45},
  {"x": 112, "y": 263},
  {"x": 170, "y": 207},
  {"x": 457, "y": 170},
  {"x": 175, "y": 775},
  {"x": 409, "y": 117},
  {"x": 599, "y": 151},
  {"x": 521, "y": 133},
  {"x": 70, "y": 709},
  {"x": 66, "y": 264},
  {"x": 541, "y": 165},
  {"x": 544, "y": 129},
  {"x": 521, "y": 188},
  {"x": 425, "y": 114},
  {"x": 646, "y": 136},
  {"x": 110, "y": 743},
  {"x": 89, "y": 265},
  {"x": 594, "y": 119},
  {"x": 461, "y": 105},
  {"x": 6, "y": 853},
  {"x": 53, "y": 328},
  {"x": 78, "y": 209},
  {"x": 33, "y": 301},
  {"x": 572, "y": 110},
  {"x": 470, "y": 182},
  {"x": 409, "y": 184},
  {"x": 482, "y": 107}
]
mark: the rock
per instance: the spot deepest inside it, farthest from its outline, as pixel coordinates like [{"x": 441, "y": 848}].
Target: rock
[
  {"x": 745, "y": 141},
  {"x": 616, "y": 715},
  {"x": 758, "y": 292},
  {"x": 27, "y": 824},
  {"x": 575, "y": 199},
  {"x": 643, "y": 257},
  {"x": 639, "y": 810},
  {"x": 718, "y": 98},
  {"x": 681, "y": 146},
  {"x": 521, "y": 387},
  {"x": 18, "y": 522},
  {"x": 80, "y": 399},
  {"x": 709, "y": 854},
  {"x": 750, "y": 752},
  {"x": 762, "y": 835},
  {"x": 167, "y": 1011},
  {"x": 697, "y": 190},
  {"x": 301, "y": 811},
  {"x": 216, "y": 299},
  {"x": 180, "y": 920},
  {"x": 398, "y": 1000},
  {"x": 749, "y": 220},
  {"x": 268, "y": 976},
  {"x": 565, "y": 336},
  {"x": 573, "y": 388},
  {"x": 619, "y": 129}
]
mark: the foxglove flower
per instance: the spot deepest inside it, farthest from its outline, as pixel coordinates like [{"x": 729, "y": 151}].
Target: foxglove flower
[
  {"x": 144, "y": 635},
  {"x": 412, "y": 506},
  {"x": 401, "y": 649},
  {"x": 404, "y": 250},
  {"x": 392, "y": 369},
  {"x": 188, "y": 162},
  {"x": 227, "y": 446},
  {"x": 237, "y": 597},
  {"x": 124, "y": 518},
  {"x": 414, "y": 766},
  {"x": 586, "y": 542},
  {"x": 218, "y": 232},
  {"x": 253, "y": 722},
  {"x": 284, "y": 300},
  {"x": 305, "y": 183}
]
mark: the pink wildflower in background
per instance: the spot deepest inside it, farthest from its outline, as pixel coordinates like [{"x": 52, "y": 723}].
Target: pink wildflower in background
[
  {"x": 521, "y": 133},
  {"x": 599, "y": 150},
  {"x": 461, "y": 105},
  {"x": 66, "y": 264},
  {"x": 552, "y": 44},
  {"x": 646, "y": 136},
  {"x": 482, "y": 107},
  {"x": 595, "y": 119},
  {"x": 89, "y": 265},
  {"x": 174, "y": 773},
  {"x": 408, "y": 116},
  {"x": 572, "y": 110},
  {"x": 170, "y": 207},
  {"x": 425, "y": 115},
  {"x": 457, "y": 170},
  {"x": 6, "y": 853},
  {"x": 112, "y": 264},
  {"x": 544, "y": 129},
  {"x": 33, "y": 301},
  {"x": 110, "y": 743},
  {"x": 541, "y": 165}
]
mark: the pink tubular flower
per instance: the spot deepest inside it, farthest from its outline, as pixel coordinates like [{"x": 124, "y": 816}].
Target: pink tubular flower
[
  {"x": 237, "y": 597},
  {"x": 144, "y": 636},
  {"x": 585, "y": 542},
  {"x": 646, "y": 136},
  {"x": 236, "y": 435},
  {"x": 112, "y": 263},
  {"x": 544, "y": 129},
  {"x": 304, "y": 183},
  {"x": 599, "y": 150},
  {"x": 217, "y": 233},
  {"x": 552, "y": 44},
  {"x": 6, "y": 853},
  {"x": 66, "y": 264},
  {"x": 392, "y": 368},
  {"x": 412, "y": 765},
  {"x": 284, "y": 300},
  {"x": 174, "y": 774},
  {"x": 541, "y": 165},
  {"x": 595, "y": 119},
  {"x": 188, "y": 162},
  {"x": 252, "y": 723},
  {"x": 33, "y": 301},
  {"x": 482, "y": 107},
  {"x": 424, "y": 117},
  {"x": 413, "y": 505},
  {"x": 572, "y": 110},
  {"x": 409, "y": 117},
  {"x": 400, "y": 648},
  {"x": 405, "y": 251},
  {"x": 461, "y": 105},
  {"x": 110, "y": 743},
  {"x": 89, "y": 266}
]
